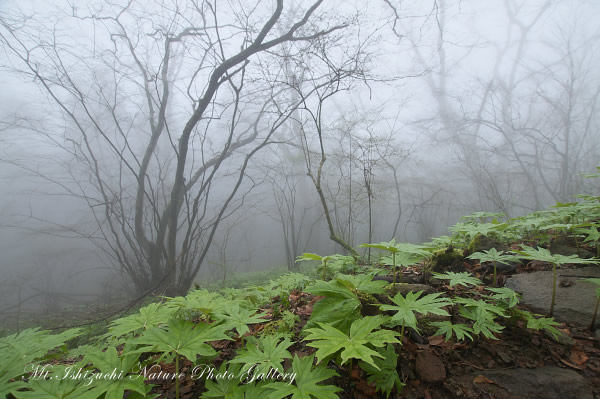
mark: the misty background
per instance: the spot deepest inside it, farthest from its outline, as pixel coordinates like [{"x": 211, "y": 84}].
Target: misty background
[{"x": 145, "y": 146}]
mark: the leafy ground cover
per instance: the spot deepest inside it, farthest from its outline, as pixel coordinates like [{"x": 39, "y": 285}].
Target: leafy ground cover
[{"x": 346, "y": 329}]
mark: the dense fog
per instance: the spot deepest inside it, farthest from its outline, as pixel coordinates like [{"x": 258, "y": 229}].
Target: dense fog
[{"x": 145, "y": 146}]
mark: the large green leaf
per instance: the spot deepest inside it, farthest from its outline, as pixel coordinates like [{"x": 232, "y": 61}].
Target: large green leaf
[
  {"x": 264, "y": 354},
  {"x": 461, "y": 331},
  {"x": 396, "y": 247},
  {"x": 401, "y": 259},
  {"x": 236, "y": 317},
  {"x": 60, "y": 383},
  {"x": 226, "y": 383},
  {"x": 306, "y": 382},
  {"x": 357, "y": 345},
  {"x": 491, "y": 255},
  {"x": 18, "y": 351},
  {"x": 386, "y": 377},
  {"x": 483, "y": 314},
  {"x": 110, "y": 363},
  {"x": 309, "y": 256},
  {"x": 363, "y": 283},
  {"x": 149, "y": 316},
  {"x": 544, "y": 255},
  {"x": 407, "y": 306},
  {"x": 505, "y": 294},
  {"x": 183, "y": 338},
  {"x": 462, "y": 278},
  {"x": 340, "y": 307}
]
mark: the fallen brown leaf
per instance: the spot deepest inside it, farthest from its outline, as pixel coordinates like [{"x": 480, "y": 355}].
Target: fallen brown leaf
[
  {"x": 436, "y": 340},
  {"x": 480, "y": 379},
  {"x": 563, "y": 361},
  {"x": 578, "y": 356}
]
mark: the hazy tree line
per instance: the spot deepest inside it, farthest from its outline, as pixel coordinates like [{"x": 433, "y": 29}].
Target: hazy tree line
[{"x": 189, "y": 128}]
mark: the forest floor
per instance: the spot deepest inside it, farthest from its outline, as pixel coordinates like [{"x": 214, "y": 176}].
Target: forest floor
[{"x": 522, "y": 363}]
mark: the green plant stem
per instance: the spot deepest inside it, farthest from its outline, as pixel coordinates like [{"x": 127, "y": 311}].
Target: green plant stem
[
  {"x": 324, "y": 269},
  {"x": 592, "y": 325},
  {"x": 394, "y": 265},
  {"x": 495, "y": 283},
  {"x": 176, "y": 376},
  {"x": 553, "y": 289}
]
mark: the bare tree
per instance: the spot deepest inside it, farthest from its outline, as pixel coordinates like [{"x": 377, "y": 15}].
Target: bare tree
[
  {"x": 521, "y": 133},
  {"x": 294, "y": 216},
  {"x": 157, "y": 108},
  {"x": 315, "y": 160}
]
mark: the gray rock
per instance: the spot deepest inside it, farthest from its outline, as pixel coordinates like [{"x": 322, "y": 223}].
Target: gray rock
[
  {"x": 544, "y": 382},
  {"x": 575, "y": 300},
  {"x": 563, "y": 249}
]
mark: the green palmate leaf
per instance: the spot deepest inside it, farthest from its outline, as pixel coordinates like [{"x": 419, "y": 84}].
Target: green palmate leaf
[
  {"x": 481, "y": 216},
  {"x": 7, "y": 388},
  {"x": 407, "y": 307},
  {"x": 221, "y": 386},
  {"x": 339, "y": 308},
  {"x": 482, "y": 308},
  {"x": 473, "y": 229},
  {"x": 401, "y": 259},
  {"x": 17, "y": 351},
  {"x": 384, "y": 246},
  {"x": 247, "y": 298},
  {"x": 544, "y": 323},
  {"x": 338, "y": 262},
  {"x": 204, "y": 301},
  {"x": 306, "y": 382},
  {"x": 491, "y": 255},
  {"x": 592, "y": 234},
  {"x": 339, "y": 312},
  {"x": 483, "y": 314},
  {"x": 58, "y": 383},
  {"x": 363, "y": 283},
  {"x": 152, "y": 315},
  {"x": 510, "y": 297},
  {"x": 324, "y": 260},
  {"x": 397, "y": 247},
  {"x": 592, "y": 175},
  {"x": 109, "y": 364},
  {"x": 460, "y": 331},
  {"x": 558, "y": 226},
  {"x": 463, "y": 278},
  {"x": 544, "y": 255},
  {"x": 183, "y": 338},
  {"x": 293, "y": 281},
  {"x": 482, "y": 325},
  {"x": 309, "y": 256},
  {"x": 412, "y": 248},
  {"x": 225, "y": 383},
  {"x": 329, "y": 340},
  {"x": 264, "y": 354},
  {"x": 441, "y": 242},
  {"x": 34, "y": 343},
  {"x": 235, "y": 317},
  {"x": 386, "y": 377}
]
